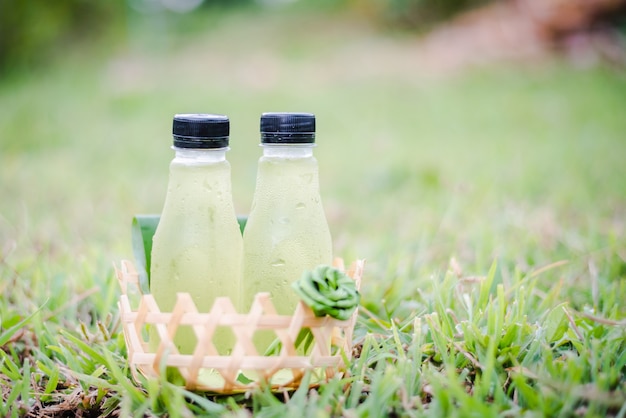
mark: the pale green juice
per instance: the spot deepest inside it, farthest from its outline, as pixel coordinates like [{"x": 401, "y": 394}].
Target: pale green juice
[
  {"x": 287, "y": 232},
  {"x": 197, "y": 246}
]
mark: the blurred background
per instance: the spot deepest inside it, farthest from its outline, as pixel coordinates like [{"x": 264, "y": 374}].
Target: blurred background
[{"x": 469, "y": 128}]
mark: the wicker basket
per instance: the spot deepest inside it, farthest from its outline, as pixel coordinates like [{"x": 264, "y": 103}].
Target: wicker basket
[{"x": 206, "y": 369}]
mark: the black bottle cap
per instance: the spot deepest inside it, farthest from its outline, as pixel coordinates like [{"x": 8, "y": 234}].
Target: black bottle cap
[
  {"x": 200, "y": 130},
  {"x": 287, "y": 128}
]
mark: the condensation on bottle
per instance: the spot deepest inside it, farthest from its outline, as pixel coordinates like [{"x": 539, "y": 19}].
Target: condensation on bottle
[
  {"x": 197, "y": 247},
  {"x": 287, "y": 232}
]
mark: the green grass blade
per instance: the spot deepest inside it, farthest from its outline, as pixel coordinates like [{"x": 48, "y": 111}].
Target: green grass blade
[
  {"x": 8, "y": 366},
  {"x": 53, "y": 381},
  {"x": 6, "y": 335},
  {"x": 85, "y": 347},
  {"x": 485, "y": 288},
  {"x": 205, "y": 404},
  {"x": 25, "y": 393}
]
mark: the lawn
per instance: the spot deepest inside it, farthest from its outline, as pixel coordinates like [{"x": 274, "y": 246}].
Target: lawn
[{"x": 490, "y": 205}]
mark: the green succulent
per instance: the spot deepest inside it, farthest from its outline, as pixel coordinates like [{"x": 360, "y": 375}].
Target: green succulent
[{"x": 328, "y": 291}]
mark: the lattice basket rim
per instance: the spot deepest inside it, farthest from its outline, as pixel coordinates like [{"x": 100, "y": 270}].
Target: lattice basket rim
[{"x": 207, "y": 370}]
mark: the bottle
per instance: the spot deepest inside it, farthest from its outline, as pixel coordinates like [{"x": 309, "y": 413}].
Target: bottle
[
  {"x": 197, "y": 247},
  {"x": 287, "y": 232}
]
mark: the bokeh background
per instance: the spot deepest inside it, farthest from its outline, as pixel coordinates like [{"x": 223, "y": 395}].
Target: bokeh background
[{"x": 471, "y": 129}]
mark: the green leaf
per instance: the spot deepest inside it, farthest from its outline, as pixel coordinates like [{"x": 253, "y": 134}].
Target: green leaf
[
  {"x": 242, "y": 220},
  {"x": 304, "y": 339},
  {"x": 241, "y": 378},
  {"x": 142, "y": 231},
  {"x": 143, "y": 228}
]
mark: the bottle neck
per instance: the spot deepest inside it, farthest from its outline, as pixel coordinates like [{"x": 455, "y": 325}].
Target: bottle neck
[
  {"x": 200, "y": 155},
  {"x": 288, "y": 151}
]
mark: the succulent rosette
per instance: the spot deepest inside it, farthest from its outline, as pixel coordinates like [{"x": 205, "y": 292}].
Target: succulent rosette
[{"x": 328, "y": 291}]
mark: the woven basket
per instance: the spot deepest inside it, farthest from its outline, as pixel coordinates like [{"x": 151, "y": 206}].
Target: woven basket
[{"x": 206, "y": 369}]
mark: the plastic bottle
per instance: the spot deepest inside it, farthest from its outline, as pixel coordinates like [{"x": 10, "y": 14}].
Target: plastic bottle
[
  {"x": 197, "y": 247},
  {"x": 287, "y": 232}
]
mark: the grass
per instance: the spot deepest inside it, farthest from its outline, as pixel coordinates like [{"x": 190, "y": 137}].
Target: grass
[{"x": 489, "y": 204}]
